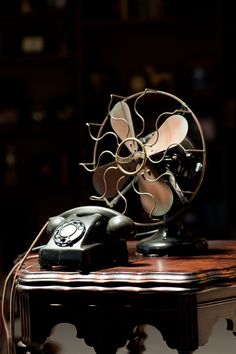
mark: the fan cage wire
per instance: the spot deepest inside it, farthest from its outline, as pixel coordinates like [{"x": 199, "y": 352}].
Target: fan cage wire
[{"x": 100, "y": 135}]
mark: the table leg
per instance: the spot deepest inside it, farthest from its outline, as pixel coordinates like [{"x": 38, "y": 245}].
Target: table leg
[
  {"x": 136, "y": 343},
  {"x": 108, "y": 351}
]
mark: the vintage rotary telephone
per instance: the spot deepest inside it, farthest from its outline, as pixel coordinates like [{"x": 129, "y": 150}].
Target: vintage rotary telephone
[{"x": 87, "y": 237}]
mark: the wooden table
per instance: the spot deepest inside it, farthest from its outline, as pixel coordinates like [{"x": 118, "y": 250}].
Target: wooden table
[{"x": 183, "y": 297}]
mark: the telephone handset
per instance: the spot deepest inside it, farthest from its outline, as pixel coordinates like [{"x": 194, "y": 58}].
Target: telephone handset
[{"x": 87, "y": 238}]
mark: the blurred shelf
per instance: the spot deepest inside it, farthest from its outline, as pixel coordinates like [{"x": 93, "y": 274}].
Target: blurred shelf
[{"x": 75, "y": 57}]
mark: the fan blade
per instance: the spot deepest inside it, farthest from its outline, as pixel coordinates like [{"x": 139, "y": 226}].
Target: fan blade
[
  {"x": 111, "y": 174},
  {"x": 158, "y": 197},
  {"x": 121, "y": 122},
  {"x": 172, "y": 131}
]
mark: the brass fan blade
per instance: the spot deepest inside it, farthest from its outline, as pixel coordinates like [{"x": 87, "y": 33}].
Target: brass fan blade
[
  {"x": 122, "y": 124},
  {"x": 105, "y": 179},
  {"x": 158, "y": 197},
  {"x": 172, "y": 131}
]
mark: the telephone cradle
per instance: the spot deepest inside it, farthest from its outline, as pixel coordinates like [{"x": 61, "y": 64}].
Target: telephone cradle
[{"x": 87, "y": 238}]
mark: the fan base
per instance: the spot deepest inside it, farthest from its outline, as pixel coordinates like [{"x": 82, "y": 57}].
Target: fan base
[{"x": 175, "y": 241}]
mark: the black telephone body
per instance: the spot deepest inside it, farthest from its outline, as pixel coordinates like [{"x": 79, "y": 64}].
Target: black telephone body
[{"x": 87, "y": 238}]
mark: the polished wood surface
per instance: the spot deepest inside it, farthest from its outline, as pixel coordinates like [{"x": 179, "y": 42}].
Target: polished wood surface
[
  {"x": 183, "y": 297},
  {"x": 189, "y": 272}
]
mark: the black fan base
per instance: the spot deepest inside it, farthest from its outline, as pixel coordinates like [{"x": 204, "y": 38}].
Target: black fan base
[{"x": 172, "y": 241}]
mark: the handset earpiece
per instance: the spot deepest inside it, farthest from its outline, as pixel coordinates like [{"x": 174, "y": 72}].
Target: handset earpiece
[
  {"x": 53, "y": 223},
  {"x": 121, "y": 227}
]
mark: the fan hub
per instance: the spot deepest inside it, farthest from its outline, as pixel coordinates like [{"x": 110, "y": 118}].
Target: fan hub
[{"x": 132, "y": 160}]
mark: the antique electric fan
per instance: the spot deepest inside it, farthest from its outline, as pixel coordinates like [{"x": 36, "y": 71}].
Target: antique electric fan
[{"x": 148, "y": 163}]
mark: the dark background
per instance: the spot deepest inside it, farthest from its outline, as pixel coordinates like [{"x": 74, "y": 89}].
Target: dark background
[{"x": 59, "y": 62}]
